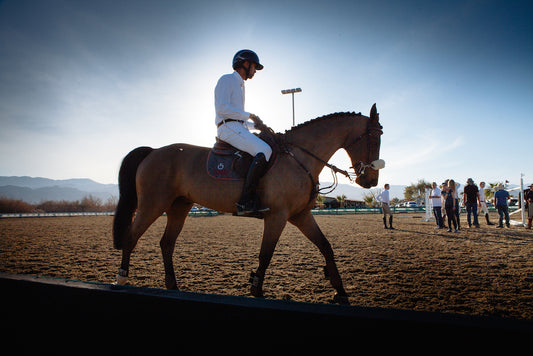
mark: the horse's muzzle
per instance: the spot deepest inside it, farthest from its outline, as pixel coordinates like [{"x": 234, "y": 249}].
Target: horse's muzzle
[{"x": 375, "y": 165}]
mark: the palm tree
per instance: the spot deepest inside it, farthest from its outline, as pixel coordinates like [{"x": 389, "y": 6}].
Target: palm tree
[
  {"x": 370, "y": 198},
  {"x": 489, "y": 191},
  {"x": 340, "y": 199},
  {"x": 320, "y": 201}
]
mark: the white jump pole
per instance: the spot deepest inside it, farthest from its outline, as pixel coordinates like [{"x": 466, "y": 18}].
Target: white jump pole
[
  {"x": 521, "y": 197},
  {"x": 428, "y": 206}
]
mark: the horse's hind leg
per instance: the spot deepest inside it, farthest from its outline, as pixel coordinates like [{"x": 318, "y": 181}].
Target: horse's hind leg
[
  {"x": 308, "y": 226},
  {"x": 141, "y": 223},
  {"x": 176, "y": 216}
]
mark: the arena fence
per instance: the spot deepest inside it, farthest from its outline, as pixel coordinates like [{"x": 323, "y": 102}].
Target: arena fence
[
  {"x": 201, "y": 213},
  {"x": 71, "y": 214}
]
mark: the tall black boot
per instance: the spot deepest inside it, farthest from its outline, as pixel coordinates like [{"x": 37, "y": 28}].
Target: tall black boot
[
  {"x": 390, "y": 223},
  {"x": 249, "y": 204},
  {"x": 488, "y": 221},
  {"x": 385, "y": 222}
]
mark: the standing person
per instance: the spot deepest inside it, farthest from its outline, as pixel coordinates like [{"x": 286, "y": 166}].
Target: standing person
[
  {"x": 528, "y": 198},
  {"x": 384, "y": 199},
  {"x": 444, "y": 189},
  {"x": 471, "y": 199},
  {"x": 450, "y": 205},
  {"x": 500, "y": 200},
  {"x": 457, "y": 205},
  {"x": 482, "y": 203},
  {"x": 435, "y": 196},
  {"x": 233, "y": 126}
]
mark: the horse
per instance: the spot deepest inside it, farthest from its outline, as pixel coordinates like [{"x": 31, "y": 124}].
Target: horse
[{"x": 172, "y": 178}]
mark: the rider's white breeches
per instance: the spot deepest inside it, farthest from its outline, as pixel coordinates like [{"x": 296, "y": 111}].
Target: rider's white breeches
[{"x": 237, "y": 135}]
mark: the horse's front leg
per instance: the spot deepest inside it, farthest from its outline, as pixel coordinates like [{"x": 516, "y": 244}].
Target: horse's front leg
[
  {"x": 274, "y": 225},
  {"x": 308, "y": 226}
]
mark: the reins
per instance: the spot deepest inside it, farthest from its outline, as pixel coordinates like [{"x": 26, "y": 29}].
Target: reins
[
  {"x": 334, "y": 171},
  {"x": 284, "y": 148}
]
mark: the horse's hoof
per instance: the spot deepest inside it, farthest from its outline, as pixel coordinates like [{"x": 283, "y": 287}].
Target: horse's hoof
[
  {"x": 341, "y": 299},
  {"x": 256, "y": 287},
  {"x": 122, "y": 277},
  {"x": 256, "y": 292}
]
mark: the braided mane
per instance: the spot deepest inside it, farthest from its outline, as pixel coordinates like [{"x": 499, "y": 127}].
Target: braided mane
[{"x": 337, "y": 115}]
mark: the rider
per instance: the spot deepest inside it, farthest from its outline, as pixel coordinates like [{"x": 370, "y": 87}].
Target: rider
[{"x": 233, "y": 126}]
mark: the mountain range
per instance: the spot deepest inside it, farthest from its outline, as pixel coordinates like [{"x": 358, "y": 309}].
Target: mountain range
[
  {"x": 355, "y": 192},
  {"x": 36, "y": 189}
]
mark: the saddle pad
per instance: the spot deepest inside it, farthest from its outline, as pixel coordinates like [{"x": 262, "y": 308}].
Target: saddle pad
[{"x": 227, "y": 166}]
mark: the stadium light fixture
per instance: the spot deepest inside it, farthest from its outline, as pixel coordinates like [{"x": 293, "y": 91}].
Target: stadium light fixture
[{"x": 292, "y": 91}]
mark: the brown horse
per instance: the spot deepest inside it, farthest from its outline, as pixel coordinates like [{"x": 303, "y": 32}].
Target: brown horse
[{"x": 170, "y": 179}]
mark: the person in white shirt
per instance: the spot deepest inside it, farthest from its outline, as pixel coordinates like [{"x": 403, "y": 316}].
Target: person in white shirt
[
  {"x": 482, "y": 203},
  {"x": 233, "y": 127},
  {"x": 435, "y": 196},
  {"x": 384, "y": 199}
]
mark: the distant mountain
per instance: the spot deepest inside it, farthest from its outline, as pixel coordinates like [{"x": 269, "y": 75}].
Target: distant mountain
[
  {"x": 355, "y": 192},
  {"x": 35, "y": 190}
]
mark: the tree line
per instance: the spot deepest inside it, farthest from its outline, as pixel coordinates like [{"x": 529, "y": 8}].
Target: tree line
[
  {"x": 89, "y": 203},
  {"x": 413, "y": 192}
]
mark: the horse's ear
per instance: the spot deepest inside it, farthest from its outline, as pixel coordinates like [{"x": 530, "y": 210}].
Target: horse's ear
[{"x": 374, "y": 113}]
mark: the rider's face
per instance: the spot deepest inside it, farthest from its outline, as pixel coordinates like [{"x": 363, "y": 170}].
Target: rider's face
[{"x": 252, "y": 70}]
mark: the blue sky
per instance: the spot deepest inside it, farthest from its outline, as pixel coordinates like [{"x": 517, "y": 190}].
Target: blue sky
[{"x": 84, "y": 82}]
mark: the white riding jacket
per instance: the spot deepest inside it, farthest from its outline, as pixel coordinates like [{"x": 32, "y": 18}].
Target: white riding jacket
[{"x": 229, "y": 104}]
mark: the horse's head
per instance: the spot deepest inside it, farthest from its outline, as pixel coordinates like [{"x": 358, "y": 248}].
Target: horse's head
[{"x": 363, "y": 150}]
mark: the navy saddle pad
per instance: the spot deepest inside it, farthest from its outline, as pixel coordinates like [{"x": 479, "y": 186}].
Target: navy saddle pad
[{"x": 227, "y": 162}]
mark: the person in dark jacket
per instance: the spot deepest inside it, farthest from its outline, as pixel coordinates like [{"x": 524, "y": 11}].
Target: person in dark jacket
[
  {"x": 471, "y": 199},
  {"x": 528, "y": 197}
]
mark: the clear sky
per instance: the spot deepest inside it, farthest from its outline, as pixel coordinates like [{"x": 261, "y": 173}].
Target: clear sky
[{"x": 84, "y": 82}]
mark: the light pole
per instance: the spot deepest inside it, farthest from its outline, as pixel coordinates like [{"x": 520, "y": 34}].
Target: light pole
[{"x": 292, "y": 91}]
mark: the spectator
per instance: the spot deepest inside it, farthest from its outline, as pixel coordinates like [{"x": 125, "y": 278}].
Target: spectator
[
  {"x": 457, "y": 205},
  {"x": 500, "y": 200},
  {"x": 528, "y": 197},
  {"x": 444, "y": 187},
  {"x": 471, "y": 198},
  {"x": 384, "y": 199},
  {"x": 436, "y": 201},
  {"x": 482, "y": 203},
  {"x": 450, "y": 204}
]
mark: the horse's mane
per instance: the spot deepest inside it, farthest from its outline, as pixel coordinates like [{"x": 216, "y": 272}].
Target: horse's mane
[{"x": 337, "y": 115}]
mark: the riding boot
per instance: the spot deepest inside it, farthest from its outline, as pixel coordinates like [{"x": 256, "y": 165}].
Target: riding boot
[
  {"x": 390, "y": 223},
  {"x": 385, "y": 222},
  {"x": 529, "y": 224},
  {"x": 487, "y": 217},
  {"x": 249, "y": 203}
]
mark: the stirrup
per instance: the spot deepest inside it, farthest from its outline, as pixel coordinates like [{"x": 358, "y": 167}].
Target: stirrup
[{"x": 250, "y": 210}]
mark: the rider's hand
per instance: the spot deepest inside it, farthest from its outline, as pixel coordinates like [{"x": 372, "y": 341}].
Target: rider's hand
[{"x": 259, "y": 125}]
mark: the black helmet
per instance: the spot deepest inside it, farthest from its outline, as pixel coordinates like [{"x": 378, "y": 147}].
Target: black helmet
[{"x": 246, "y": 55}]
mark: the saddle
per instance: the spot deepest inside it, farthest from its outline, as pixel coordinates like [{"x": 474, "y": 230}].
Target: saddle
[{"x": 229, "y": 163}]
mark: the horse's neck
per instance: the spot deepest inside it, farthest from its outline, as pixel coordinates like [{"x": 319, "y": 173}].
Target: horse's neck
[{"x": 323, "y": 138}]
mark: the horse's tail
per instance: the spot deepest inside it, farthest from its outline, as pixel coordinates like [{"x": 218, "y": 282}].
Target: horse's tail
[{"x": 127, "y": 202}]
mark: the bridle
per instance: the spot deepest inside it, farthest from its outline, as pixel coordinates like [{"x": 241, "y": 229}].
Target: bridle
[{"x": 373, "y": 132}]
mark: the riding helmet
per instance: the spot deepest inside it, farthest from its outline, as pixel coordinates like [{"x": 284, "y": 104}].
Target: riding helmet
[{"x": 246, "y": 55}]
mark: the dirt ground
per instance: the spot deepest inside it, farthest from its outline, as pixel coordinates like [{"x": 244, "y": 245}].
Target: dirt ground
[{"x": 485, "y": 271}]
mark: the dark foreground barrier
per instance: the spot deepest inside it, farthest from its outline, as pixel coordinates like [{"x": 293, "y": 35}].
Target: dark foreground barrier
[{"x": 53, "y": 313}]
